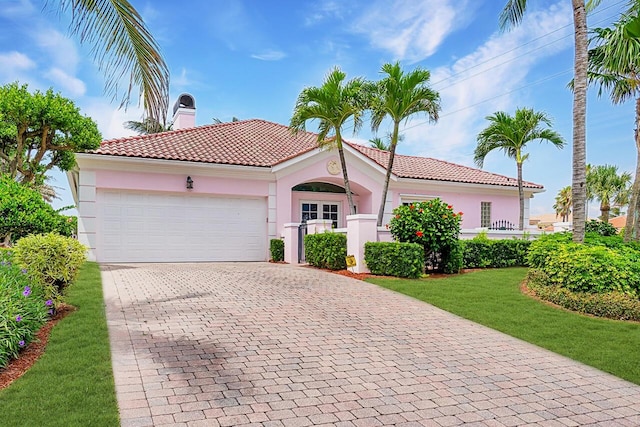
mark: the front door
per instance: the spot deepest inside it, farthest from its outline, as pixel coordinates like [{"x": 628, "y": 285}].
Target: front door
[{"x": 321, "y": 210}]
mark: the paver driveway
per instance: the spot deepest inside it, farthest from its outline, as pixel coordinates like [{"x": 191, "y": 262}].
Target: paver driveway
[{"x": 265, "y": 344}]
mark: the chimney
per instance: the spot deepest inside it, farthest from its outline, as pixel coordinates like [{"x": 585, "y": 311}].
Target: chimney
[{"x": 184, "y": 112}]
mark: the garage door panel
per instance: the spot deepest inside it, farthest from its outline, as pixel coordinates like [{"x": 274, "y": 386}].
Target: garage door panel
[{"x": 138, "y": 227}]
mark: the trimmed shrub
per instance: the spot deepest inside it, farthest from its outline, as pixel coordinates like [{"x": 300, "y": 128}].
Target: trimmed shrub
[
  {"x": 51, "y": 260},
  {"x": 431, "y": 224},
  {"x": 394, "y": 259},
  {"x": 276, "y": 246},
  {"x": 23, "y": 211},
  {"x": 485, "y": 253},
  {"x": 600, "y": 227},
  {"x": 612, "y": 305},
  {"x": 452, "y": 258},
  {"x": 23, "y": 309},
  {"x": 326, "y": 250}
]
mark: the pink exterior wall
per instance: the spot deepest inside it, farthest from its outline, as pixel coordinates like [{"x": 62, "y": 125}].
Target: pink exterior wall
[
  {"x": 177, "y": 183},
  {"x": 502, "y": 207}
]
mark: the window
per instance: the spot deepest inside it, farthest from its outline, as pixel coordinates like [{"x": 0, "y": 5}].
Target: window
[
  {"x": 485, "y": 214},
  {"x": 408, "y": 199},
  {"x": 320, "y": 210}
]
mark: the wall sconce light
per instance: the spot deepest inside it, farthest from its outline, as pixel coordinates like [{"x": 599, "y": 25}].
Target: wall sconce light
[{"x": 189, "y": 183}]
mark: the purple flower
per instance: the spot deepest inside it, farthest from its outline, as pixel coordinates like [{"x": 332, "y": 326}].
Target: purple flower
[
  {"x": 48, "y": 303},
  {"x": 27, "y": 291},
  {"x": 51, "y": 312},
  {"x": 18, "y": 318},
  {"x": 21, "y": 343},
  {"x": 24, "y": 271}
]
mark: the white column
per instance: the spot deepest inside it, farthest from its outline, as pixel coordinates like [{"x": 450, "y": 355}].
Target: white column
[
  {"x": 87, "y": 222},
  {"x": 290, "y": 235},
  {"x": 316, "y": 226},
  {"x": 360, "y": 229}
]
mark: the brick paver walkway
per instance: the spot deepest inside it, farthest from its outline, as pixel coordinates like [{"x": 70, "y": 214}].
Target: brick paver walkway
[{"x": 279, "y": 345}]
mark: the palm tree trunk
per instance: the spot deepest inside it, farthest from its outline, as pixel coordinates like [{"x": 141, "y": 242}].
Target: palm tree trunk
[
  {"x": 385, "y": 187},
  {"x": 345, "y": 176},
  {"x": 521, "y": 197},
  {"x": 631, "y": 226},
  {"x": 579, "y": 187},
  {"x": 604, "y": 212}
]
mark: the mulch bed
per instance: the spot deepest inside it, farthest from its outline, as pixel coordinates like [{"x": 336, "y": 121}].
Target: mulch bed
[{"x": 29, "y": 355}]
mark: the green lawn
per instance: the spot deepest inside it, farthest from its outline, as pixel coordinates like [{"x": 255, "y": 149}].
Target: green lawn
[
  {"x": 72, "y": 383},
  {"x": 493, "y": 298}
]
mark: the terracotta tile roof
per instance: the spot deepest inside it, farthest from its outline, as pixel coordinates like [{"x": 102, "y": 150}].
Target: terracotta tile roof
[
  {"x": 437, "y": 170},
  {"x": 246, "y": 142},
  {"x": 619, "y": 221},
  {"x": 258, "y": 142}
]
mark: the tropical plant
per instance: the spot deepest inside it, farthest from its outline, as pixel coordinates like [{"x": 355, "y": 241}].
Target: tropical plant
[
  {"x": 511, "y": 16},
  {"x": 41, "y": 131},
  {"x": 123, "y": 48},
  {"x": 511, "y": 134},
  {"x": 217, "y": 121},
  {"x": 614, "y": 65},
  {"x": 333, "y": 104},
  {"x": 377, "y": 142},
  {"x": 147, "y": 126},
  {"x": 399, "y": 95},
  {"x": 563, "y": 203},
  {"x": 606, "y": 186}
]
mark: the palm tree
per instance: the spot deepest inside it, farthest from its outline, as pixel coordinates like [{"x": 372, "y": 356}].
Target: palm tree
[
  {"x": 605, "y": 185},
  {"x": 399, "y": 96},
  {"x": 563, "y": 203},
  {"x": 147, "y": 126},
  {"x": 378, "y": 143},
  {"x": 614, "y": 65},
  {"x": 511, "y": 135},
  {"x": 511, "y": 16},
  {"x": 332, "y": 104},
  {"x": 217, "y": 121},
  {"x": 122, "y": 47}
]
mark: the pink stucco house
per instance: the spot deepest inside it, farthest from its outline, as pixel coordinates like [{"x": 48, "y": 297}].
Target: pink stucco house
[{"x": 220, "y": 192}]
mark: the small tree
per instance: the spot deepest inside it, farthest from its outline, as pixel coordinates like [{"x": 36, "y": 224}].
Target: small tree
[
  {"x": 41, "y": 131},
  {"x": 432, "y": 224},
  {"x": 563, "y": 203}
]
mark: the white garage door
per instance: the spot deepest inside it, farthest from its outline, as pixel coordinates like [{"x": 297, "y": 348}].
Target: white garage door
[{"x": 138, "y": 227}]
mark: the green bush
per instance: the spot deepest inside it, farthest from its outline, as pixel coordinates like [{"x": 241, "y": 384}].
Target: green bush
[
  {"x": 590, "y": 267},
  {"x": 51, "y": 260},
  {"x": 394, "y": 259},
  {"x": 276, "y": 246},
  {"x": 612, "y": 305},
  {"x": 481, "y": 252},
  {"x": 23, "y": 211},
  {"x": 452, "y": 258},
  {"x": 326, "y": 250},
  {"x": 23, "y": 308},
  {"x": 431, "y": 224},
  {"x": 600, "y": 227}
]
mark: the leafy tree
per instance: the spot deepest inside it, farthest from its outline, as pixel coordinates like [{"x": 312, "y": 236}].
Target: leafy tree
[
  {"x": 41, "y": 131},
  {"x": 511, "y": 135},
  {"x": 333, "y": 104},
  {"x": 511, "y": 16},
  {"x": 563, "y": 203},
  {"x": 124, "y": 49},
  {"x": 400, "y": 95},
  {"x": 23, "y": 211},
  {"x": 147, "y": 126},
  {"x": 614, "y": 66},
  {"x": 605, "y": 185}
]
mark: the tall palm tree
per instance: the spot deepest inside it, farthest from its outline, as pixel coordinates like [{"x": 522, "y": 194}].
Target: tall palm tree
[
  {"x": 607, "y": 187},
  {"x": 511, "y": 135},
  {"x": 377, "y": 142},
  {"x": 511, "y": 16},
  {"x": 123, "y": 48},
  {"x": 563, "y": 203},
  {"x": 333, "y": 104},
  {"x": 399, "y": 96},
  {"x": 614, "y": 66}
]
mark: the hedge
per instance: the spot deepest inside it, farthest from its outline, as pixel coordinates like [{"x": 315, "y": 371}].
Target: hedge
[
  {"x": 485, "y": 253},
  {"x": 276, "y": 247},
  {"x": 394, "y": 259},
  {"x": 326, "y": 250}
]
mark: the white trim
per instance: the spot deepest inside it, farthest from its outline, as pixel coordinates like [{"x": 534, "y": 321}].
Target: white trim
[
  {"x": 463, "y": 187},
  {"x": 410, "y": 198}
]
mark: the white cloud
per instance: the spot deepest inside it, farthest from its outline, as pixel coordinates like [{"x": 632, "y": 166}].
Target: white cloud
[
  {"x": 269, "y": 55},
  {"x": 16, "y": 8},
  {"x": 14, "y": 62},
  {"x": 409, "y": 29},
  {"x": 110, "y": 120},
  {"x": 60, "y": 48},
  {"x": 71, "y": 86},
  {"x": 495, "y": 68},
  {"x": 323, "y": 11}
]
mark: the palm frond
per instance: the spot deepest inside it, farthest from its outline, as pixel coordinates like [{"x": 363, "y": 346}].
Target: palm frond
[{"x": 512, "y": 14}]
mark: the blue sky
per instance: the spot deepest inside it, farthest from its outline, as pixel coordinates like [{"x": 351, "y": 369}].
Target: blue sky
[{"x": 251, "y": 59}]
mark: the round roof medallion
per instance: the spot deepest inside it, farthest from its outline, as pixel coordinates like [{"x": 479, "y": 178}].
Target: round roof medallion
[{"x": 333, "y": 167}]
